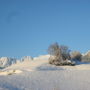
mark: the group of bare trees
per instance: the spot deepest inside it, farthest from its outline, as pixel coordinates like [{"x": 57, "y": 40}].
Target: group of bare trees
[{"x": 60, "y": 55}]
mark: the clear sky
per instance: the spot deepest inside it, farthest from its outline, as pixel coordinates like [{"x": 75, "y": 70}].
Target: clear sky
[{"x": 28, "y": 27}]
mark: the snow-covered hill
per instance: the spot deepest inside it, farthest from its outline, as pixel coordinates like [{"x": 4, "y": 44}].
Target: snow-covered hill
[
  {"x": 37, "y": 74},
  {"x": 26, "y": 58},
  {"x": 6, "y": 61},
  {"x": 41, "y": 57},
  {"x": 87, "y": 53}
]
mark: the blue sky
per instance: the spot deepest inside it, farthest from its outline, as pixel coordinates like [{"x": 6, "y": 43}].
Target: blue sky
[{"x": 28, "y": 27}]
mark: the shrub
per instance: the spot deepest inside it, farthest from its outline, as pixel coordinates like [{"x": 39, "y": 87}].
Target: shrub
[
  {"x": 86, "y": 57},
  {"x": 59, "y": 55},
  {"x": 76, "y": 55}
]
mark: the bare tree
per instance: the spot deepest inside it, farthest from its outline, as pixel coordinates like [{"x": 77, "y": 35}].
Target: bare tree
[
  {"x": 65, "y": 52},
  {"x": 54, "y": 49},
  {"x": 55, "y": 54}
]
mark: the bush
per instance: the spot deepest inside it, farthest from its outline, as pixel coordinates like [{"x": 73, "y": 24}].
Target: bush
[
  {"x": 59, "y": 55},
  {"x": 76, "y": 55},
  {"x": 86, "y": 57}
]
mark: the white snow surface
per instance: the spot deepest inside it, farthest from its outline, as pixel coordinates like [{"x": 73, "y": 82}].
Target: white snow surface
[
  {"x": 5, "y": 61},
  {"x": 37, "y": 74}
]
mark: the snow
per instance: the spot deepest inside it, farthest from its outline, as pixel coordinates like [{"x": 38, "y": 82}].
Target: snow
[
  {"x": 5, "y": 61},
  {"x": 26, "y": 58},
  {"x": 10, "y": 72},
  {"x": 84, "y": 54},
  {"x": 37, "y": 74}
]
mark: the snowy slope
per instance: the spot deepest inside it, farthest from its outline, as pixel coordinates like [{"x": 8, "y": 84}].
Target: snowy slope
[
  {"x": 87, "y": 53},
  {"x": 6, "y": 61},
  {"x": 37, "y": 74}
]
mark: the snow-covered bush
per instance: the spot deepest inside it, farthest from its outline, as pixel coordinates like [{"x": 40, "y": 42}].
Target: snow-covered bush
[
  {"x": 59, "y": 55},
  {"x": 76, "y": 55},
  {"x": 86, "y": 57}
]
